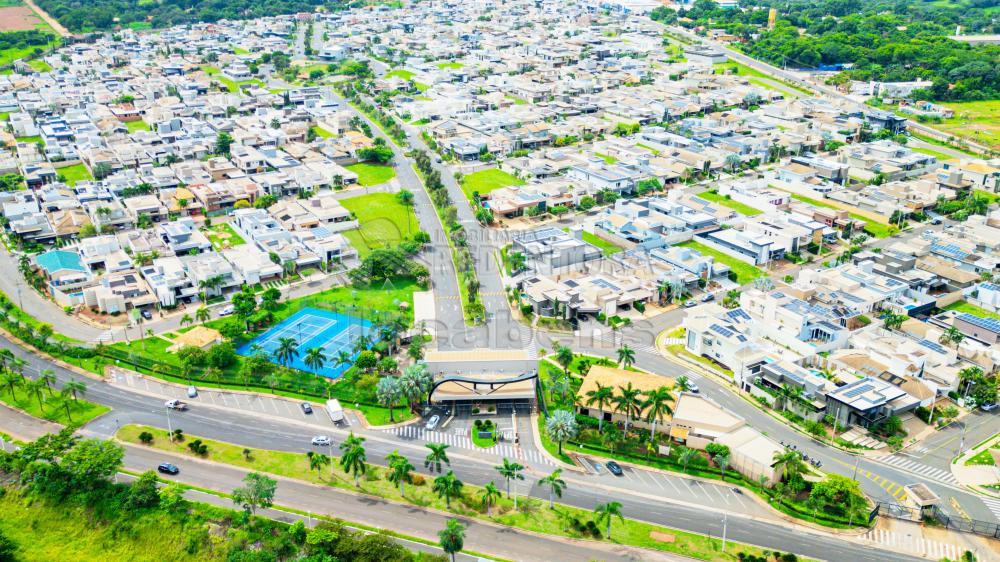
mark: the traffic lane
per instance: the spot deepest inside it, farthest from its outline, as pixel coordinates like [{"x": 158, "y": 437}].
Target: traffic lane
[{"x": 502, "y": 541}]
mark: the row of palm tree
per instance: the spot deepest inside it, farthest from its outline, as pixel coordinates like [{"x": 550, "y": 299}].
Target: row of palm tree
[
  {"x": 631, "y": 402},
  {"x": 12, "y": 377}
]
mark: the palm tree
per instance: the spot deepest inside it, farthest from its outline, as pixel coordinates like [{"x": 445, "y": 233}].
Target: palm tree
[
  {"x": 685, "y": 456},
  {"x": 656, "y": 405},
  {"x": 202, "y": 314},
  {"x": 892, "y": 320},
  {"x": 75, "y": 388},
  {"x": 952, "y": 335},
  {"x": 317, "y": 461},
  {"x": 448, "y": 486},
  {"x": 601, "y": 395},
  {"x": 400, "y": 470},
  {"x": 186, "y": 320},
  {"x": 607, "y": 512},
  {"x": 722, "y": 460},
  {"x": 48, "y": 378},
  {"x": 555, "y": 484},
  {"x": 452, "y": 538},
  {"x": 288, "y": 349},
  {"x": 626, "y": 356},
  {"x": 627, "y": 402},
  {"x": 11, "y": 380},
  {"x": 437, "y": 456},
  {"x": 490, "y": 496},
  {"x": 343, "y": 358},
  {"x": 561, "y": 426},
  {"x": 510, "y": 471},
  {"x": 683, "y": 383},
  {"x": 789, "y": 462},
  {"x": 36, "y": 387},
  {"x": 564, "y": 356},
  {"x": 388, "y": 393},
  {"x": 354, "y": 456},
  {"x": 315, "y": 359},
  {"x": 732, "y": 299}
]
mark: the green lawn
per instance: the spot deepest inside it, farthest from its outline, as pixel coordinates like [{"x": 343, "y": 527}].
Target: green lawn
[
  {"x": 231, "y": 85},
  {"x": 608, "y": 159},
  {"x": 239, "y": 51},
  {"x": 40, "y": 65},
  {"x": 745, "y": 272},
  {"x": 223, "y": 236},
  {"x": 53, "y": 406},
  {"x": 485, "y": 181},
  {"x": 983, "y": 457},
  {"x": 450, "y": 65},
  {"x": 139, "y": 125},
  {"x": 771, "y": 83},
  {"x": 963, "y": 306},
  {"x": 941, "y": 156},
  {"x": 607, "y": 248},
  {"x": 517, "y": 100},
  {"x": 8, "y": 56},
  {"x": 873, "y": 227},
  {"x": 978, "y": 121},
  {"x": 372, "y": 174},
  {"x": 322, "y": 133},
  {"x": 740, "y": 208},
  {"x": 532, "y": 513},
  {"x": 33, "y": 140},
  {"x": 75, "y": 173},
  {"x": 484, "y": 442},
  {"x": 399, "y": 73},
  {"x": 384, "y": 221}
]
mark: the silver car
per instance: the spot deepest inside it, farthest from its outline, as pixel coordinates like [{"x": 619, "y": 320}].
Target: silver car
[
  {"x": 432, "y": 423},
  {"x": 321, "y": 441}
]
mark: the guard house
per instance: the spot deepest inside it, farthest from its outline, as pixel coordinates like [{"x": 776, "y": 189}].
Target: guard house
[{"x": 483, "y": 380}]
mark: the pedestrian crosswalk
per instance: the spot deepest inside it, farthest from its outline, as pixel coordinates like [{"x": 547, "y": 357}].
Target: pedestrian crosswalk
[
  {"x": 919, "y": 468},
  {"x": 105, "y": 336},
  {"x": 617, "y": 341},
  {"x": 530, "y": 343},
  {"x": 935, "y": 550},
  {"x": 993, "y": 505},
  {"x": 501, "y": 450}
]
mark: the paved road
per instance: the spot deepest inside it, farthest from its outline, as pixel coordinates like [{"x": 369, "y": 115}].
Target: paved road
[{"x": 243, "y": 428}]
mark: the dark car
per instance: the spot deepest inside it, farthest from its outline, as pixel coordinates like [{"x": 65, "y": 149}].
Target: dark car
[
  {"x": 147, "y": 314},
  {"x": 167, "y": 468},
  {"x": 614, "y": 468},
  {"x": 306, "y": 408}
]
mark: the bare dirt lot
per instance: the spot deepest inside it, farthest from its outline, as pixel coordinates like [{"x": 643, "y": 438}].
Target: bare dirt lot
[{"x": 16, "y": 18}]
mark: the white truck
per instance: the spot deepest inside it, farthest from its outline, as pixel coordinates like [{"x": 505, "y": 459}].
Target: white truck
[
  {"x": 336, "y": 412},
  {"x": 176, "y": 405}
]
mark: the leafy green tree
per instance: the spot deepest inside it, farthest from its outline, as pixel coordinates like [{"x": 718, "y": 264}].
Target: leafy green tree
[
  {"x": 452, "y": 538},
  {"x": 256, "y": 493},
  {"x": 317, "y": 461},
  {"x": 561, "y": 426},
  {"x": 605, "y": 512},
  {"x": 400, "y": 470},
  {"x": 490, "y": 496},
  {"x": 448, "y": 486},
  {"x": 436, "y": 456},
  {"x": 601, "y": 395},
  {"x": 92, "y": 461},
  {"x": 353, "y": 459},
  {"x": 388, "y": 393}
]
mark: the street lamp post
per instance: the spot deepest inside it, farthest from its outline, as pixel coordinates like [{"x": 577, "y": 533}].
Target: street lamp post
[
  {"x": 170, "y": 430},
  {"x": 724, "y": 520}
]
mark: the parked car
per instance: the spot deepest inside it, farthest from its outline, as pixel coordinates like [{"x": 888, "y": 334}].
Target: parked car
[
  {"x": 192, "y": 391},
  {"x": 306, "y": 408},
  {"x": 167, "y": 468},
  {"x": 321, "y": 441},
  {"x": 707, "y": 297},
  {"x": 988, "y": 407},
  {"x": 693, "y": 388},
  {"x": 690, "y": 304},
  {"x": 227, "y": 310},
  {"x": 432, "y": 423},
  {"x": 614, "y": 468},
  {"x": 147, "y": 314}
]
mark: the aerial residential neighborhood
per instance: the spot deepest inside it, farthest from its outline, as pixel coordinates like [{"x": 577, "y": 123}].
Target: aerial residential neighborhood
[{"x": 535, "y": 280}]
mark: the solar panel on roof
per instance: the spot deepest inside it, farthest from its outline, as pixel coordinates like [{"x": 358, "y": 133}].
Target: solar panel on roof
[
  {"x": 991, "y": 324},
  {"x": 720, "y": 330},
  {"x": 934, "y": 346},
  {"x": 858, "y": 391}
]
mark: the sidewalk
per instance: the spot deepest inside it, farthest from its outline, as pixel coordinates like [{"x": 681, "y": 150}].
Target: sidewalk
[{"x": 977, "y": 475}]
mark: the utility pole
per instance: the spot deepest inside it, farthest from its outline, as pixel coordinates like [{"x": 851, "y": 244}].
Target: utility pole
[
  {"x": 724, "y": 520},
  {"x": 856, "y": 461},
  {"x": 170, "y": 430}
]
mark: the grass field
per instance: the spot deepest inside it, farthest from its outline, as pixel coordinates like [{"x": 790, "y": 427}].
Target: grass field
[
  {"x": 75, "y": 173},
  {"x": 33, "y": 140},
  {"x": 40, "y": 65},
  {"x": 517, "y": 100},
  {"x": 745, "y": 272},
  {"x": 485, "y": 181},
  {"x": 406, "y": 75},
  {"x": 8, "y": 56},
  {"x": 941, "y": 156},
  {"x": 223, "y": 236},
  {"x": 873, "y": 227},
  {"x": 962, "y": 306},
  {"x": 74, "y": 534},
  {"x": 607, "y": 248},
  {"x": 763, "y": 80},
  {"x": 372, "y": 174},
  {"x": 139, "y": 125},
  {"x": 607, "y": 158},
  {"x": 384, "y": 221},
  {"x": 740, "y": 208},
  {"x": 53, "y": 406},
  {"x": 532, "y": 514},
  {"x": 450, "y": 65},
  {"x": 322, "y": 133},
  {"x": 978, "y": 121}
]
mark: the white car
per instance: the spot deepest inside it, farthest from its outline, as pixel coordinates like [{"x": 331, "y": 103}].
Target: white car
[
  {"x": 227, "y": 310},
  {"x": 432, "y": 423},
  {"x": 321, "y": 441}
]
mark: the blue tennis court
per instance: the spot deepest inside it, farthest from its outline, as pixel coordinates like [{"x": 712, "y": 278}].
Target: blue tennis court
[{"x": 312, "y": 327}]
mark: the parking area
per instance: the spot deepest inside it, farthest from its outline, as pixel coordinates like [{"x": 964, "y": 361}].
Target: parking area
[
  {"x": 273, "y": 406},
  {"x": 677, "y": 488}
]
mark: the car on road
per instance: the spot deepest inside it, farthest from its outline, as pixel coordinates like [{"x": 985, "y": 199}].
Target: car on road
[
  {"x": 306, "y": 408},
  {"x": 147, "y": 314},
  {"x": 707, "y": 297},
  {"x": 227, "y": 310},
  {"x": 690, "y": 304},
  {"x": 988, "y": 407},
  {"x": 321, "y": 441},
  {"x": 432, "y": 423},
  {"x": 614, "y": 468},
  {"x": 167, "y": 468},
  {"x": 176, "y": 405},
  {"x": 693, "y": 388}
]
